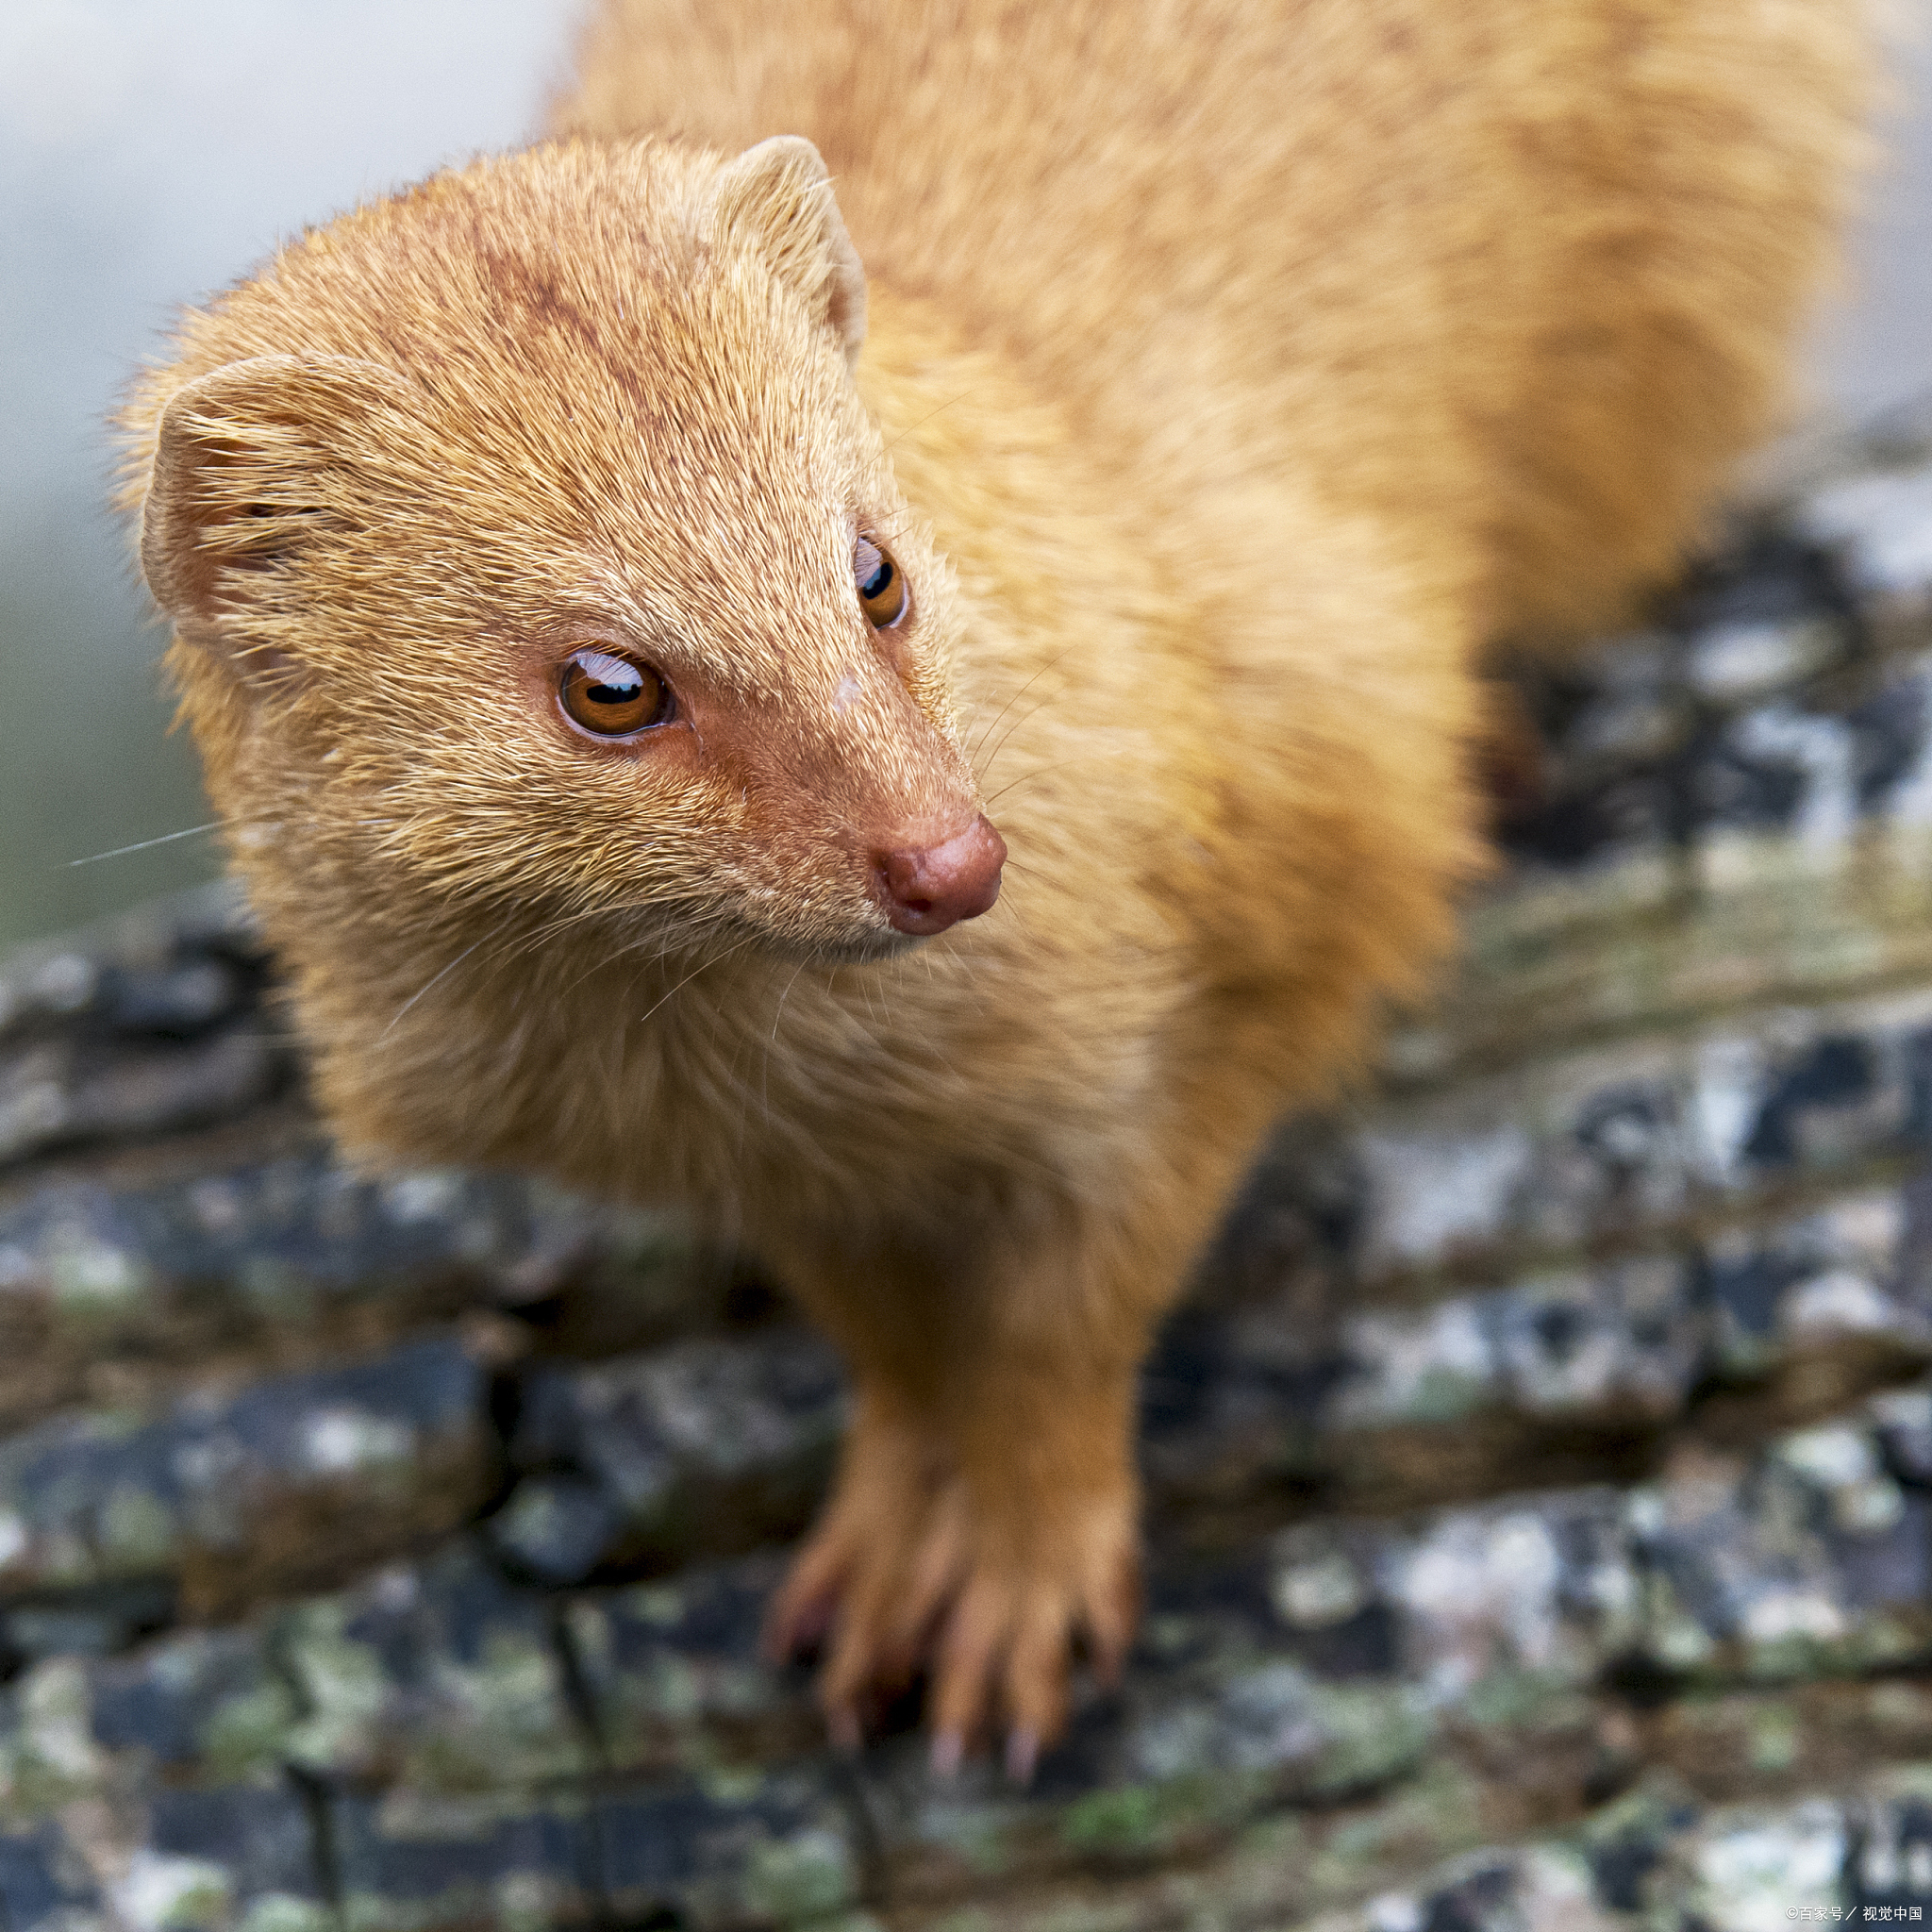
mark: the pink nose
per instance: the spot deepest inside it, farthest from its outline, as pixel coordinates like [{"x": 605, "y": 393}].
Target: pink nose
[{"x": 925, "y": 889}]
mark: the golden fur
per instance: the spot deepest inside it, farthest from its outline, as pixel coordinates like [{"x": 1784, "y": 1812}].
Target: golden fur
[{"x": 1230, "y": 371}]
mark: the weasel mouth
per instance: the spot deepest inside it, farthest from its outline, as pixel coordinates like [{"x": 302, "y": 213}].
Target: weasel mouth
[{"x": 925, "y": 889}]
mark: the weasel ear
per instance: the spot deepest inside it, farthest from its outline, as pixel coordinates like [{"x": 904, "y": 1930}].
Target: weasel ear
[
  {"x": 778, "y": 198},
  {"x": 251, "y": 461}
]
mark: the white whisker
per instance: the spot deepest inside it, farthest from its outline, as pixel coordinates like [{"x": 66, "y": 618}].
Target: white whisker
[
  {"x": 428, "y": 984},
  {"x": 146, "y": 844}
]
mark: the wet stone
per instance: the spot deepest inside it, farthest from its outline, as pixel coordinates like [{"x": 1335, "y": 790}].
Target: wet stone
[
  {"x": 1622, "y": 1342},
  {"x": 1595, "y": 1145},
  {"x": 1812, "y": 1560},
  {"x": 439, "y": 1678},
  {"x": 706, "y": 1446},
  {"x": 1880, "y": 528},
  {"x": 675, "y": 1677},
  {"x": 751, "y": 1850},
  {"x": 283, "y": 1251},
  {"x": 171, "y": 967},
  {"x": 416, "y": 1862},
  {"x": 60, "y": 1094},
  {"x": 199, "y": 1709},
  {"x": 231, "y": 1495},
  {"x": 46, "y": 1883},
  {"x": 1531, "y": 1888},
  {"x": 1386, "y": 1401},
  {"x": 242, "y": 1859},
  {"x": 1744, "y": 659}
]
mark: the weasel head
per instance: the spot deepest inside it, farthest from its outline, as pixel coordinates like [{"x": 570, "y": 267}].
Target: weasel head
[{"x": 528, "y": 549}]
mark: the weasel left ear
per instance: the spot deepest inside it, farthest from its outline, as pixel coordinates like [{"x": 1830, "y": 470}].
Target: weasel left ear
[
  {"x": 250, "y": 461},
  {"x": 778, "y": 198}
]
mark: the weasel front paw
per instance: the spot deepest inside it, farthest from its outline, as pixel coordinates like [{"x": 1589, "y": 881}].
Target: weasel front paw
[
  {"x": 912, "y": 1567},
  {"x": 1019, "y": 1597},
  {"x": 848, "y": 1591}
]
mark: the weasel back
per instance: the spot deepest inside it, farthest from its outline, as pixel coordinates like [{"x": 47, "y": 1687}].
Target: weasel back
[{"x": 1523, "y": 276}]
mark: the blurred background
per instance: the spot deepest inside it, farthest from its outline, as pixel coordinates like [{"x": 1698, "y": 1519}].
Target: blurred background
[{"x": 150, "y": 153}]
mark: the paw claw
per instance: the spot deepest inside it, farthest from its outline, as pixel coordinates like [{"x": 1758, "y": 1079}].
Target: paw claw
[
  {"x": 793, "y": 1634},
  {"x": 948, "y": 1750},
  {"x": 991, "y": 1593}
]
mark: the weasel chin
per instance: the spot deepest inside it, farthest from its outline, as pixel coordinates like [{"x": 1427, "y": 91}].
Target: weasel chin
[{"x": 860, "y": 948}]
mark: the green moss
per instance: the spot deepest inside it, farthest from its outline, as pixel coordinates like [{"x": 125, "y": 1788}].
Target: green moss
[
  {"x": 1775, "y": 1735},
  {"x": 1375, "y": 1735},
  {"x": 1521, "y": 1700},
  {"x": 94, "y": 1281},
  {"x": 1124, "y": 1820},
  {"x": 1437, "y": 1816},
  {"x": 248, "y": 1734},
  {"x": 138, "y": 1531},
  {"x": 279, "y": 1912},
  {"x": 803, "y": 1876},
  {"x": 1145, "y": 1821},
  {"x": 48, "y": 1758},
  {"x": 343, "y": 1686}
]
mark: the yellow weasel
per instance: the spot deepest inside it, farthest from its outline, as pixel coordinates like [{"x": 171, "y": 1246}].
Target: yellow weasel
[{"x": 922, "y": 762}]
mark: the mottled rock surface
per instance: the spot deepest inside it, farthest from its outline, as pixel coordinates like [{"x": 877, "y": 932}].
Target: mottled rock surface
[{"x": 1540, "y": 1475}]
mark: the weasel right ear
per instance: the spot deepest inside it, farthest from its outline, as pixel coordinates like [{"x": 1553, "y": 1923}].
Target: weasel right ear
[
  {"x": 778, "y": 198},
  {"x": 250, "y": 461}
]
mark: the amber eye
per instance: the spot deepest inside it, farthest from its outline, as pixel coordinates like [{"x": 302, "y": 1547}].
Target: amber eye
[
  {"x": 610, "y": 695},
  {"x": 881, "y": 587}
]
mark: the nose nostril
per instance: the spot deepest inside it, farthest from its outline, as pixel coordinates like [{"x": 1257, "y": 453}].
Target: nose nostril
[{"x": 925, "y": 889}]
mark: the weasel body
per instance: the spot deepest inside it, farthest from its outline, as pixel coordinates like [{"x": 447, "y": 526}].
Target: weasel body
[{"x": 614, "y": 623}]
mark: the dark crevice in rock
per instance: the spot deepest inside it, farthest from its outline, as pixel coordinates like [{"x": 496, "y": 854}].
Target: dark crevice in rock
[
  {"x": 101, "y": 1621},
  {"x": 576, "y": 1684},
  {"x": 319, "y": 1809},
  {"x": 1642, "y": 1683},
  {"x": 848, "y": 1789}
]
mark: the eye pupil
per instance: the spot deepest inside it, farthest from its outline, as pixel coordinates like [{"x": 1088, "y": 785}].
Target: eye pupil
[
  {"x": 874, "y": 585},
  {"x": 610, "y": 695},
  {"x": 623, "y": 694}
]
